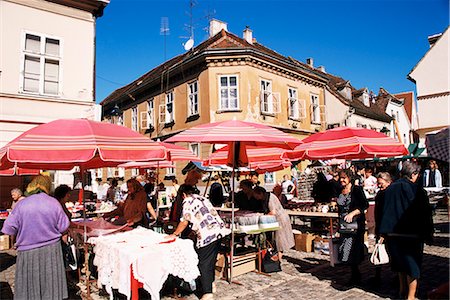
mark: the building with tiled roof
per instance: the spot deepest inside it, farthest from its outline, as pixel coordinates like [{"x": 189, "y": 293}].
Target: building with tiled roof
[{"x": 225, "y": 77}]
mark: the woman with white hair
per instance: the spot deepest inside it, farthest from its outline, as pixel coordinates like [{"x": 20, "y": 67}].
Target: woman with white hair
[{"x": 16, "y": 195}]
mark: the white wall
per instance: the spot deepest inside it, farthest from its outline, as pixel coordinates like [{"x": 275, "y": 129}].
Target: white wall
[
  {"x": 404, "y": 126},
  {"x": 335, "y": 110},
  {"x": 19, "y": 111}
]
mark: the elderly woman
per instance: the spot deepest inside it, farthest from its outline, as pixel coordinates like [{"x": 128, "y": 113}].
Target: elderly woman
[
  {"x": 406, "y": 224},
  {"x": 16, "y": 195},
  {"x": 38, "y": 222},
  {"x": 351, "y": 206},
  {"x": 62, "y": 194},
  {"x": 132, "y": 211},
  {"x": 284, "y": 237}
]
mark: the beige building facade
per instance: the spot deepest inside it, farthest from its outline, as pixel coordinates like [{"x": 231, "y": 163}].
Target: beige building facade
[{"x": 225, "y": 77}]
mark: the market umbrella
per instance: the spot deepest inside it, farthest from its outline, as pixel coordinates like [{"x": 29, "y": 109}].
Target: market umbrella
[
  {"x": 238, "y": 135},
  {"x": 19, "y": 172},
  {"x": 147, "y": 165},
  {"x": 347, "y": 143},
  {"x": 438, "y": 144},
  {"x": 254, "y": 155},
  {"x": 67, "y": 143}
]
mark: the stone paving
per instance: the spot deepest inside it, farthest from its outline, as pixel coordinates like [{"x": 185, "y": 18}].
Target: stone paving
[{"x": 303, "y": 276}]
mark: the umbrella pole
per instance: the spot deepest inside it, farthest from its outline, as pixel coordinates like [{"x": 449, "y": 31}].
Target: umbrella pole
[
  {"x": 157, "y": 189},
  {"x": 235, "y": 146},
  {"x": 86, "y": 249}
]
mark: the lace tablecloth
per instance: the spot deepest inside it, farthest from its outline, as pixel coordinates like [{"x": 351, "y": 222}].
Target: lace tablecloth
[{"x": 151, "y": 260}]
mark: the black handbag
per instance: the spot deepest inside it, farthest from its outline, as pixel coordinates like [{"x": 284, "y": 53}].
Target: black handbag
[
  {"x": 271, "y": 262},
  {"x": 346, "y": 227}
]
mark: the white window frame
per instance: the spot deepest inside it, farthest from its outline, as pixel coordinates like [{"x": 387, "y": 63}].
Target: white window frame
[
  {"x": 193, "y": 98},
  {"x": 266, "y": 96},
  {"x": 195, "y": 148},
  {"x": 170, "y": 171},
  {"x": 120, "y": 119},
  {"x": 228, "y": 88},
  {"x": 134, "y": 172},
  {"x": 42, "y": 57},
  {"x": 148, "y": 117},
  {"x": 296, "y": 107},
  {"x": 134, "y": 118},
  {"x": 315, "y": 109},
  {"x": 170, "y": 101}
]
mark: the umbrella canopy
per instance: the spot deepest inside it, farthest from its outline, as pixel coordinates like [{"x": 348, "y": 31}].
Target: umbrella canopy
[
  {"x": 438, "y": 144},
  {"x": 347, "y": 143},
  {"x": 177, "y": 153},
  {"x": 19, "y": 172},
  {"x": 254, "y": 154},
  {"x": 147, "y": 165},
  {"x": 236, "y": 134},
  {"x": 65, "y": 143},
  {"x": 263, "y": 167}
]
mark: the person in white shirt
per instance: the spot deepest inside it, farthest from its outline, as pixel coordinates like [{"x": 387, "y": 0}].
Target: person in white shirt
[
  {"x": 287, "y": 187},
  {"x": 432, "y": 177},
  {"x": 209, "y": 228},
  {"x": 370, "y": 181}
]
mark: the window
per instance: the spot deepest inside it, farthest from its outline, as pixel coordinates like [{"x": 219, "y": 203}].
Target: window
[
  {"x": 228, "y": 92},
  {"x": 134, "y": 172},
  {"x": 195, "y": 148},
  {"x": 297, "y": 109},
  {"x": 269, "y": 178},
  {"x": 120, "y": 119},
  {"x": 266, "y": 96},
  {"x": 109, "y": 172},
  {"x": 315, "y": 109},
  {"x": 169, "y": 108},
  {"x": 134, "y": 118},
  {"x": 41, "y": 65},
  {"x": 147, "y": 117},
  {"x": 170, "y": 171},
  {"x": 193, "y": 99}
]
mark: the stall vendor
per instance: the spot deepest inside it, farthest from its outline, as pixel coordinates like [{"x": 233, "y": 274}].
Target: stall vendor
[{"x": 132, "y": 211}]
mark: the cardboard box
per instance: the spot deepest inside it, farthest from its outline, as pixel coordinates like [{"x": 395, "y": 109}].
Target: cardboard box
[
  {"x": 4, "y": 242},
  {"x": 304, "y": 242},
  {"x": 241, "y": 264}
]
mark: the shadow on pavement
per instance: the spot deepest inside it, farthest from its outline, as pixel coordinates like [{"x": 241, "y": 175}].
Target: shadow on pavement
[{"x": 435, "y": 273}]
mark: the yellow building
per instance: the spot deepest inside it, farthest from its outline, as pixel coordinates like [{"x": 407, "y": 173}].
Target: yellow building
[{"x": 225, "y": 77}]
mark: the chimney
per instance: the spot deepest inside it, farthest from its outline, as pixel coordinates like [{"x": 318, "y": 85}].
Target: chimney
[
  {"x": 215, "y": 26},
  {"x": 248, "y": 35},
  {"x": 432, "y": 39},
  {"x": 321, "y": 69},
  {"x": 310, "y": 62}
]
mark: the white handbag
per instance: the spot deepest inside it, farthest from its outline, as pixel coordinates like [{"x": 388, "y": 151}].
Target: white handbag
[{"x": 379, "y": 255}]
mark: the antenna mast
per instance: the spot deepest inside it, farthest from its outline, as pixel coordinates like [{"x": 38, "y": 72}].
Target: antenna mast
[{"x": 165, "y": 31}]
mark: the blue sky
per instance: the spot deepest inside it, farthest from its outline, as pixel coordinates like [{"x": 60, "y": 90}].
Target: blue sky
[{"x": 371, "y": 43}]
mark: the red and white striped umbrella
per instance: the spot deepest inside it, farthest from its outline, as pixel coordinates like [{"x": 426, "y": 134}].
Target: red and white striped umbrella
[
  {"x": 347, "y": 143},
  {"x": 19, "y": 172},
  {"x": 65, "y": 143},
  {"x": 147, "y": 165},
  {"x": 254, "y": 154},
  {"x": 238, "y": 135},
  {"x": 177, "y": 153}
]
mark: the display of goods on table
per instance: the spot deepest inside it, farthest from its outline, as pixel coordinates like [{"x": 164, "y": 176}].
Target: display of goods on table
[
  {"x": 315, "y": 207},
  {"x": 249, "y": 221}
]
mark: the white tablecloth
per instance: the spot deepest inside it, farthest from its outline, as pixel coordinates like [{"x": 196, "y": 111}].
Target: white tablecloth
[{"x": 152, "y": 262}]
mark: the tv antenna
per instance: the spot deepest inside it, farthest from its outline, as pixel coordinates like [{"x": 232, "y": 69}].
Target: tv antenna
[
  {"x": 190, "y": 27},
  {"x": 209, "y": 15},
  {"x": 164, "y": 31}
]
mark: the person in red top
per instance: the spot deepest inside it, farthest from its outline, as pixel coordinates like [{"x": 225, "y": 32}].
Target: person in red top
[{"x": 131, "y": 212}]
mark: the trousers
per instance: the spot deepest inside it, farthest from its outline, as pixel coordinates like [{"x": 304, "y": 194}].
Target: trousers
[{"x": 207, "y": 257}]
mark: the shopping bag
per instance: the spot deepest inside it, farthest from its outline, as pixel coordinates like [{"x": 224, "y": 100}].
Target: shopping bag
[
  {"x": 379, "y": 255},
  {"x": 271, "y": 262}
]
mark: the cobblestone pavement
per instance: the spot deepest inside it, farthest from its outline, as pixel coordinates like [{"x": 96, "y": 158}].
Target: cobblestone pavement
[{"x": 303, "y": 276}]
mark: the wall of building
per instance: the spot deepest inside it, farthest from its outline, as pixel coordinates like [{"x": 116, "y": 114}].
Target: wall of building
[
  {"x": 336, "y": 110},
  {"x": 74, "y": 29},
  {"x": 403, "y": 123}
]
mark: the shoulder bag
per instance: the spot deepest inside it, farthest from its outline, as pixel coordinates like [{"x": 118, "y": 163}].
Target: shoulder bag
[{"x": 271, "y": 262}]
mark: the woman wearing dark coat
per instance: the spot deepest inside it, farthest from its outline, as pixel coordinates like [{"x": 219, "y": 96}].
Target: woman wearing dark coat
[
  {"x": 406, "y": 224},
  {"x": 351, "y": 204}
]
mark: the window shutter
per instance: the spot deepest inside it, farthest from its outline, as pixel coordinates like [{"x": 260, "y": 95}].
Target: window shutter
[
  {"x": 302, "y": 108},
  {"x": 144, "y": 120},
  {"x": 276, "y": 103},
  {"x": 162, "y": 114}
]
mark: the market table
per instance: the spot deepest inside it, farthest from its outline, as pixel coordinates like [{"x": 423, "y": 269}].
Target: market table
[
  {"x": 311, "y": 214},
  {"x": 145, "y": 255}
]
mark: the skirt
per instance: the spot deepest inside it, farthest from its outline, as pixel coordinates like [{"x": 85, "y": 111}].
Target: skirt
[
  {"x": 40, "y": 274},
  {"x": 406, "y": 255}
]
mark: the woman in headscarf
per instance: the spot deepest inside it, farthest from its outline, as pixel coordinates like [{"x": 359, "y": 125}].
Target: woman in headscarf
[
  {"x": 38, "y": 222},
  {"x": 406, "y": 224}
]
